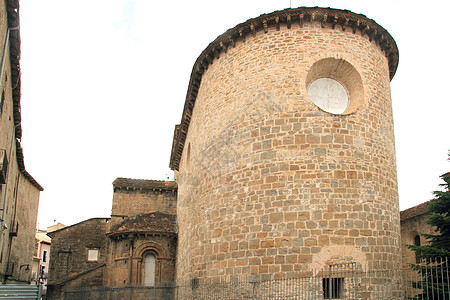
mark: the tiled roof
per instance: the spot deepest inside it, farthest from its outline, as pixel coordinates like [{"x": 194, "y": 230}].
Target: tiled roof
[
  {"x": 128, "y": 183},
  {"x": 415, "y": 211},
  {"x": 43, "y": 237},
  {"x": 22, "y": 167},
  {"x": 420, "y": 209},
  {"x": 52, "y": 234},
  {"x": 55, "y": 227},
  {"x": 12, "y": 7},
  {"x": 150, "y": 222}
]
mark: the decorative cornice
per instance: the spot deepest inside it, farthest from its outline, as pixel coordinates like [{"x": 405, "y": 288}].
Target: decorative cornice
[
  {"x": 147, "y": 223},
  {"x": 129, "y": 184},
  {"x": 415, "y": 211},
  {"x": 136, "y": 233},
  {"x": 53, "y": 233},
  {"x": 327, "y": 17},
  {"x": 12, "y": 8}
]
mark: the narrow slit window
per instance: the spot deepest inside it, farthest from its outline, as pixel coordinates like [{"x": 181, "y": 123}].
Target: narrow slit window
[
  {"x": 2, "y": 99},
  {"x": 417, "y": 243}
]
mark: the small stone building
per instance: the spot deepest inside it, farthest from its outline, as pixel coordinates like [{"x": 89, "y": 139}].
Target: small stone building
[
  {"x": 413, "y": 223},
  {"x": 78, "y": 256},
  {"x": 136, "y": 246},
  {"x": 142, "y": 231}
]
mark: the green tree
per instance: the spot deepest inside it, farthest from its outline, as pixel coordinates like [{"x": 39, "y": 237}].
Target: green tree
[{"x": 436, "y": 254}]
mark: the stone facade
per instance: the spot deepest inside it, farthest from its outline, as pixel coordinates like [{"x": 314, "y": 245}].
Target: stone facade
[
  {"x": 133, "y": 197},
  {"x": 19, "y": 191},
  {"x": 142, "y": 223},
  {"x": 143, "y": 220},
  {"x": 69, "y": 263},
  {"x": 132, "y": 240},
  {"x": 270, "y": 184},
  {"x": 413, "y": 224}
]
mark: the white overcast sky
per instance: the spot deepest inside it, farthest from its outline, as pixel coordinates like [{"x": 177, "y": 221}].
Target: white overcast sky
[{"x": 104, "y": 83}]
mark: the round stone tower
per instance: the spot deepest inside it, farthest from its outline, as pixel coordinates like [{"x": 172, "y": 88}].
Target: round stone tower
[{"x": 285, "y": 156}]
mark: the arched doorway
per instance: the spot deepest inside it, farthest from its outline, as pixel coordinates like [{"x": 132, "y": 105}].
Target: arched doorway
[{"x": 149, "y": 269}]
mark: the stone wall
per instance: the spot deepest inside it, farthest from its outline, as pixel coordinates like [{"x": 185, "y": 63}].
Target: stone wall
[
  {"x": 134, "y": 196},
  {"x": 413, "y": 225},
  {"x": 69, "y": 261},
  {"x": 8, "y": 149},
  {"x": 7, "y": 109},
  {"x": 86, "y": 281},
  {"x": 23, "y": 226},
  {"x": 19, "y": 192},
  {"x": 142, "y": 221},
  {"x": 119, "y": 271},
  {"x": 269, "y": 184}
]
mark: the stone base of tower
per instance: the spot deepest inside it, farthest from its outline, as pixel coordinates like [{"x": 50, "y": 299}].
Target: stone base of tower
[{"x": 340, "y": 281}]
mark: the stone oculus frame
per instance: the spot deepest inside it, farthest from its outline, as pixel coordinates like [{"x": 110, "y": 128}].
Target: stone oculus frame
[{"x": 345, "y": 74}]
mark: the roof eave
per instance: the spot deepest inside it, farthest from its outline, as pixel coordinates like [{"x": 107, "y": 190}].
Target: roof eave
[{"x": 12, "y": 8}]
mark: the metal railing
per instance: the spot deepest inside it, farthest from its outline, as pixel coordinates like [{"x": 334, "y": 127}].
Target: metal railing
[
  {"x": 19, "y": 291},
  {"x": 339, "y": 281},
  {"x": 159, "y": 292},
  {"x": 429, "y": 280}
]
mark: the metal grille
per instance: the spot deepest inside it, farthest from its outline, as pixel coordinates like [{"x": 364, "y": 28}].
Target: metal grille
[
  {"x": 161, "y": 292},
  {"x": 339, "y": 281},
  {"x": 429, "y": 280},
  {"x": 17, "y": 291}
]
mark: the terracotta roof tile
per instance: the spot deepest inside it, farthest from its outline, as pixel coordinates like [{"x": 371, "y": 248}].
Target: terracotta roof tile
[
  {"x": 12, "y": 7},
  {"x": 415, "y": 211},
  {"x": 129, "y": 183},
  {"x": 153, "y": 222}
]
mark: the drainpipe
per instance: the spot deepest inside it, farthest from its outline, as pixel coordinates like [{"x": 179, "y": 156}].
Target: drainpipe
[
  {"x": 13, "y": 221},
  {"x": 3, "y": 226},
  {"x": 2, "y": 223},
  {"x": 5, "y": 49}
]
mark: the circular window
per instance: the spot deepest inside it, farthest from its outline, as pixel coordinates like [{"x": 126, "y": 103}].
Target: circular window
[
  {"x": 329, "y": 95},
  {"x": 335, "y": 86}
]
